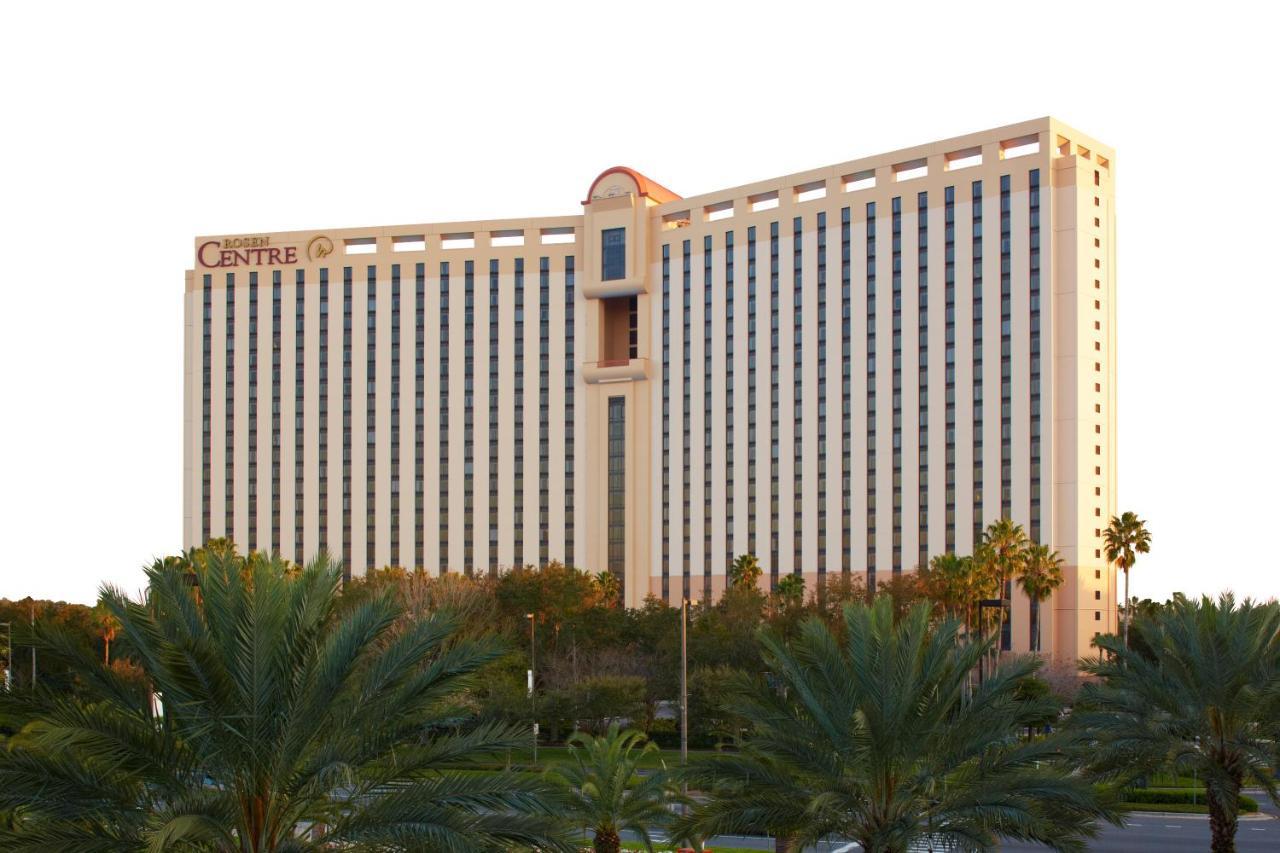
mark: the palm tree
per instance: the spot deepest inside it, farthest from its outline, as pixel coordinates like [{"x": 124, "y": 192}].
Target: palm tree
[
  {"x": 745, "y": 571},
  {"x": 108, "y": 626},
  {"x": 945, "y": 582},
  {"x": 602, "y": 790},
  {"x": 610, "y": 588},
  {"x": 874, "y": 738},
  {"x": 1202, "y": 696},
  {"x": 1004, "y": 543},
  {"x": 1041, "y": 575},
  {"x": 1125, "y": 538},
  {"x": 268, "y": 721}
]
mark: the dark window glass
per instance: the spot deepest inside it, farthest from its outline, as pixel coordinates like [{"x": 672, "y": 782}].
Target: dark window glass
[{"x": 613, "y": 254}]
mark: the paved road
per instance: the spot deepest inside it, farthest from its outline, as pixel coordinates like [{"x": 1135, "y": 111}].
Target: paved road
[{"x": 1144, "y": 833}]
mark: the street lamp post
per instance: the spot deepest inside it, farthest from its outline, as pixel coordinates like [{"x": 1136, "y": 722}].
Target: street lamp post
[
  {"x": 684, "y": 678},
  {"x": 533, "y": 698},
  {"x": 993, "y": 603}
]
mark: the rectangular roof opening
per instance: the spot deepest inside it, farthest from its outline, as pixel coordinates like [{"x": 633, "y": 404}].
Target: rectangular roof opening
[
  {"x": 409, "y": 243},
  {"x": 508, "y": 237}
]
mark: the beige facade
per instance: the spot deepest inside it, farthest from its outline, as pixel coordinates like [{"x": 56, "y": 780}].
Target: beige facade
[{"x": 844, "y": 370}]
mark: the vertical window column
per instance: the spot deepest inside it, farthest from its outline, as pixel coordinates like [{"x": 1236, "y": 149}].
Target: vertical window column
[
  {"x": 666, "y": 422},
  {"x": 207, "y": 407},
  {"x": 518, "y": 426},
  {"x": 322, "y": 426},
  {"x": 774, "y": 441},
  {"x": 493, "y": 417},
  {"x": 443, "y": 470},
  {"x": 371, "y": 418},
  {"x": 544, "y": 411},
  {"x": 346, "y": 423},
  {"x": 977, "y": 362},
  {"x": 797, "y": 398},
  {"x": 686, "y": 475},
  {"x": 395, "y": 415},
  {"x": 1034, "y": 530},
  {"x": 706, "y": 418},
  {"x": 949, "y": 357},
  {"x": 846, "y": 388},
  {"x": 419, "y": 392},
  {"x": 569, "y": 362},
  {"x": 299, "y": 413},
  {"x": 897, "y": 384},
  {"x": 922, "y": 460},
  {"x": 871, "y": 396},
  {"x": 729, "y": 397},
  {"x": 822, "y": 394},
  {"x": 252, "y": 543},
  {"x": 468, "y": 415},
  {"x": 617, "y": 490},
  {"x": 229, "y": 466},
  {"x": 1006, "y": 376},
  {"x": 751, "y": 390},
  {"x": 274, "y": 543}
]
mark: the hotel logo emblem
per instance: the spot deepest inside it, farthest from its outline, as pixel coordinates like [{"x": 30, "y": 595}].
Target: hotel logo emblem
[{"x": 320, "y": 246}]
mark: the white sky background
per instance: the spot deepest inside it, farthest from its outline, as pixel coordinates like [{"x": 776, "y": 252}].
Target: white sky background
[{"x": 126, "y": 130}]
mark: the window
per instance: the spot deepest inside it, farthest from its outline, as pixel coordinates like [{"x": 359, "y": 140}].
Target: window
[
  {"x": 613, "y": 254},
  {"x": 1097, "y": 595},
  {"x": 1097, "y": 573}
]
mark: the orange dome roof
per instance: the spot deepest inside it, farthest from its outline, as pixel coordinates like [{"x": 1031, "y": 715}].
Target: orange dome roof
[{"x": 647, "y": 187}]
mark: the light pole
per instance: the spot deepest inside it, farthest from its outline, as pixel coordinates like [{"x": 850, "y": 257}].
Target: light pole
[
  {"x": 533, "y": 698},
  {"x": 993, "y": 603},
  {"x": 684, "y": 679}
]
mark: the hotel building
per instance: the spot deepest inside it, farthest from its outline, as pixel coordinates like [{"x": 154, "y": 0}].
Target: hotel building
[{"x": 845, "y": 370}]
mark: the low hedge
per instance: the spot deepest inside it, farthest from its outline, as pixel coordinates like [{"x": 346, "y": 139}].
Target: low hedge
[{"x": 1179, "y": 796}]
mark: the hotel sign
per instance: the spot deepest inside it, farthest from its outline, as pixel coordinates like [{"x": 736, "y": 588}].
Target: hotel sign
[{"x": 257, "y": 251}]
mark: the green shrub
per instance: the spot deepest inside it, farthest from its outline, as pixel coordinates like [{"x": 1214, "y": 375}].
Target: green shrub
[{"x": 1179, "y": 796}]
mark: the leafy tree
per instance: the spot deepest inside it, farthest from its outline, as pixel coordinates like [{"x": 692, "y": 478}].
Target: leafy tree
[
  {"x": 875, "y": 739},
  {"x": 947, "y": 582},
  {"x": 745, "y": 571},
  {"x": 1125, "y": 538},
  {"x": 1206, "y": 701},
  {"x": 597, "y": 700},
  {"x": 1041, "y": 575},
  {"x": 264, "y": 724},
  {"x": 711, "y": 722},
  {"x": 603, "y": 792}
]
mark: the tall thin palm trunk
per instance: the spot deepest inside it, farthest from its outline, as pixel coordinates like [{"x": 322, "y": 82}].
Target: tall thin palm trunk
[{"x": 1128, "y": 617}]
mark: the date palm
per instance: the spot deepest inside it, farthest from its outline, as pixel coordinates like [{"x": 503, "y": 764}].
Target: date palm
[
  {"x": 601, "y": 789},
  {"x": 269, "y": 720},
  {"x": 1124, "y": 539},
  {"x": 1041, "y": 575},
  {"x": 875, "y": 738},
  {"x": 1202, "y": 696}
]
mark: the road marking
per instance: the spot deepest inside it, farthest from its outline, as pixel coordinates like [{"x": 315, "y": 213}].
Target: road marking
[
  {"x": 1137, "y": 824},
  {"x": 1172, "y": 826}
]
